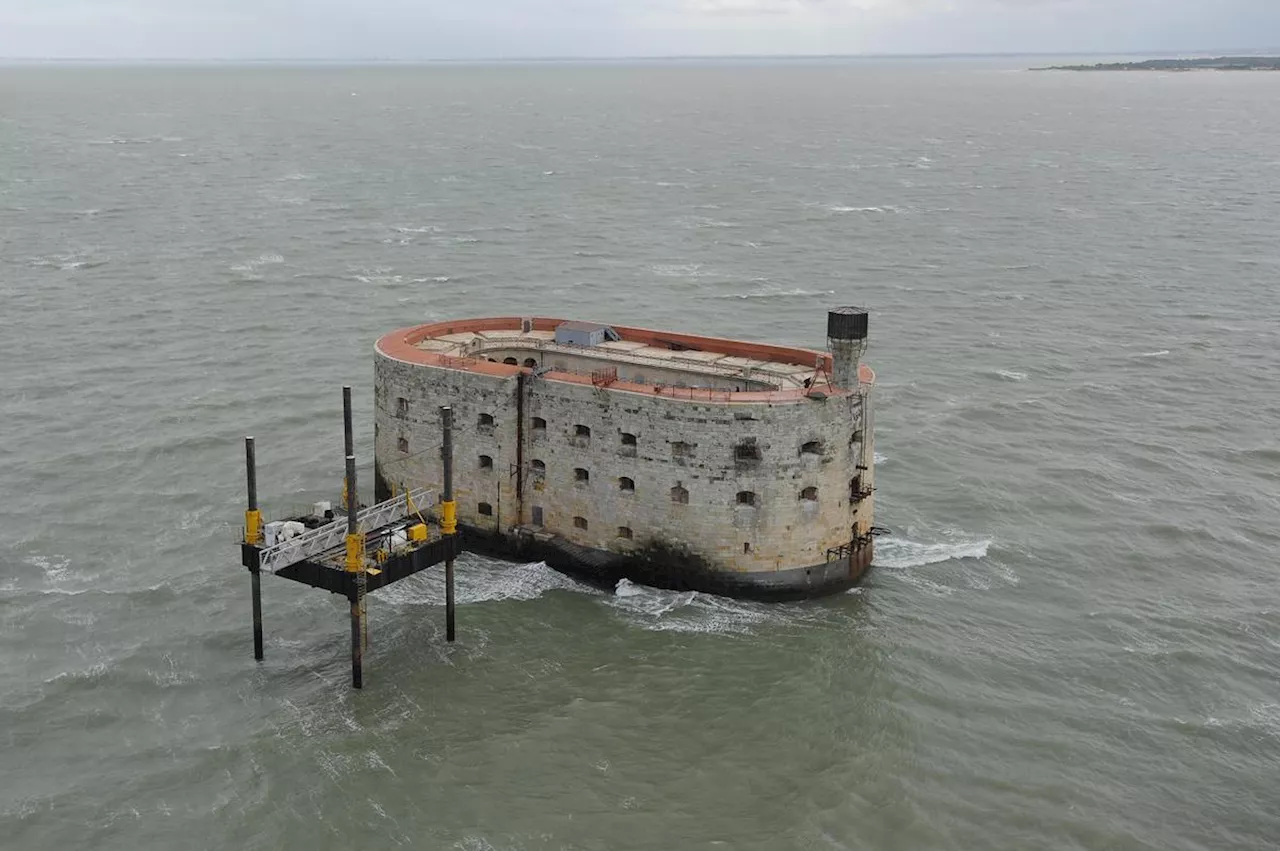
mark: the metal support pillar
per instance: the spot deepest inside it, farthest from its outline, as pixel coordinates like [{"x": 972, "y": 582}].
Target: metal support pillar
[
  {"x": 253, "y": 535},
  {"x": 355, "y": 564},
  {"x": 355, "y": 546},
  {"x": 448, "y": 517}
]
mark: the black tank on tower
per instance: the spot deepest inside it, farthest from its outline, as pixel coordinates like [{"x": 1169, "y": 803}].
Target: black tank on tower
[{"x": 847, "y": 340}]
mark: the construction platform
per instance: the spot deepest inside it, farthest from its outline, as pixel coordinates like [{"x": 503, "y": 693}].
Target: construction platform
[{"x": 354, "y": 550}]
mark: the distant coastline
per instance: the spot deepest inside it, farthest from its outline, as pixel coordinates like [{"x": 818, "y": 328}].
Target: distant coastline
[{"x": 1221, "y": 63}]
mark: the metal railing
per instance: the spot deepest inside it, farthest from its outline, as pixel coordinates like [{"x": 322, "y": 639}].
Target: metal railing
[
  {"x": 519, "y": 341},
  {"x": 313, "y": 542}
]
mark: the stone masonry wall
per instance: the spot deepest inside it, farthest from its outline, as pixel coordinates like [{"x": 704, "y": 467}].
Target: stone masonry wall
[{"x": 678, "y": 444}]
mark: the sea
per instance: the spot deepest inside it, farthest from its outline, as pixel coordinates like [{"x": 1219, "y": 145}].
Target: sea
[{"x": 1071, "y": 635}]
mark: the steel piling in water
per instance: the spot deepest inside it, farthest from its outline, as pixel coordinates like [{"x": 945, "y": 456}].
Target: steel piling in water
[
  {"x": 449, "y": 524},
  {"x": 355, "y": 564},
  {"x": 252, "y": 531},
  {"x": 383, "y": 544}
]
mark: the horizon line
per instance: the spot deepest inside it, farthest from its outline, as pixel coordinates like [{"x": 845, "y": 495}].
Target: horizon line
[{"x": 709, "y": 57}]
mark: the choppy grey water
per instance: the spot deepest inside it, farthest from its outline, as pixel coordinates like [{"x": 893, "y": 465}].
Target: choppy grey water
[{"x": 1071, "y": 640}]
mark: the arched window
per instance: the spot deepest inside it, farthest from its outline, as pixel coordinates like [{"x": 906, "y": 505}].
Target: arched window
[
  {"x": 679, "y": 495},
  {"x": 581, "y": 431},
  {"x": 746, "y": 498},
  {"x": 580, "y": 522},
  {"x": 539, "y": 424},
  {"x": 532, "y": 363},
  {"x": 510, "y": 361},
  {"x": 485, "y": 421},
  {"x": 809, "y": 494},
  {"x": 628, "y": 439},
  {"x": 581, "y": 474},
  {"x": 539, "y": 467},
  {"x": 813, "y": 447},
  {"x": 485, "y": 509},
  {"x": 626, "y": 484},
  {"x": 486, "y": 462},
  {"x": 625, "y": 532}
]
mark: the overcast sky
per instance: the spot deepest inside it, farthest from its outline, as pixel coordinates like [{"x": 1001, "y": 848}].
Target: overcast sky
[{"x": 447, "y": 29}]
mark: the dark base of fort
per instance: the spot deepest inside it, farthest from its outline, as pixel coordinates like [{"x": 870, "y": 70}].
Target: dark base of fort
[
  {"x": 668, "y": 570},
  {"x": 665, "y": 568}
]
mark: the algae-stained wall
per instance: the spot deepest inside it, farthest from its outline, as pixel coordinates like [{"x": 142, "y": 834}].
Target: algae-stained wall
[{"x": 703, "y": 449}]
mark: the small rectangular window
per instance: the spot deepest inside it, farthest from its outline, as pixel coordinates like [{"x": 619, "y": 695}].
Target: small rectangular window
[
  {"x": 485, "y": 509},
  {"x": 485, "y": 421},
  {"x": 581, "y": 475},
  {"x": 537, "y": 515},
  {"x": 580, "y": 522},
  {"x": 625, "y": 532},
  {"x": 403, "y": 445},
  {"x": 402, "y": 405}
]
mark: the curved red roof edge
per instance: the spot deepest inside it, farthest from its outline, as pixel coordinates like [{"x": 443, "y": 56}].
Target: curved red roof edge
[{"x": 401, "y": 345}]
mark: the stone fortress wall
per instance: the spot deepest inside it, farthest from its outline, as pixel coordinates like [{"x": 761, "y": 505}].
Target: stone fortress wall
[{"x": 746, "y": 486}]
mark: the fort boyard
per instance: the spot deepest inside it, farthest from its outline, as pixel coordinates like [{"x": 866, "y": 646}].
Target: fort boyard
[{"x": 668, "y": 459}]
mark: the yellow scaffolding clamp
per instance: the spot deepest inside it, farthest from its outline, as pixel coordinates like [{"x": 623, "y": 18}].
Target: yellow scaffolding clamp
[
  {"x": 355, "y": 552},
  {"x": 253, "y": 526}
]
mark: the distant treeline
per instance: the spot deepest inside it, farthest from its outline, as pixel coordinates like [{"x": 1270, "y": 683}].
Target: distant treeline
[{"x": 1221, "y": 63}]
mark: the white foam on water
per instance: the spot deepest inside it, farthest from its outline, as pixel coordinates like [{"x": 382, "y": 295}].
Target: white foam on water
[
  {"x": 249, "y": 268},
  {"x": 881, "y": 459},
  {"x": 484, "y": 582},
  {"x": 678, "y": 270},
  {"x": 53, "y": 567},
  {"x": 423, "y": 229},
  {"x": 1158, "y": 354},
  {"x": 686, "y": 611},
  {"x": 900, "y": 553},
  {"x": 768, "y": 293},
  {"x": 64, "y": 262},
  {"x": 704, "y": 222},
  {"x": 1011, "y": 375},
  {"x": 836, "y": 208}
]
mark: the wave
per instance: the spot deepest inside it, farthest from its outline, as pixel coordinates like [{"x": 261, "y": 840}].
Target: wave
[
  {"x": 249, "y": 268},
  {"x": 65, "y": 262},
  {"x": 704, "y": 222},
  {"x": 1158, "y": 354},
  {"x": 687, "y": 611},
  {"x": 773, "y": 294},
  {"x": 678, "y": 270},
  {"x": 486, "y": 581},
  {"x": 842, "y": 209},
  {"x": 900, "y": 553},
  {"x": 1011, "y": 375},
  {"x": 53, "y": 567}
]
